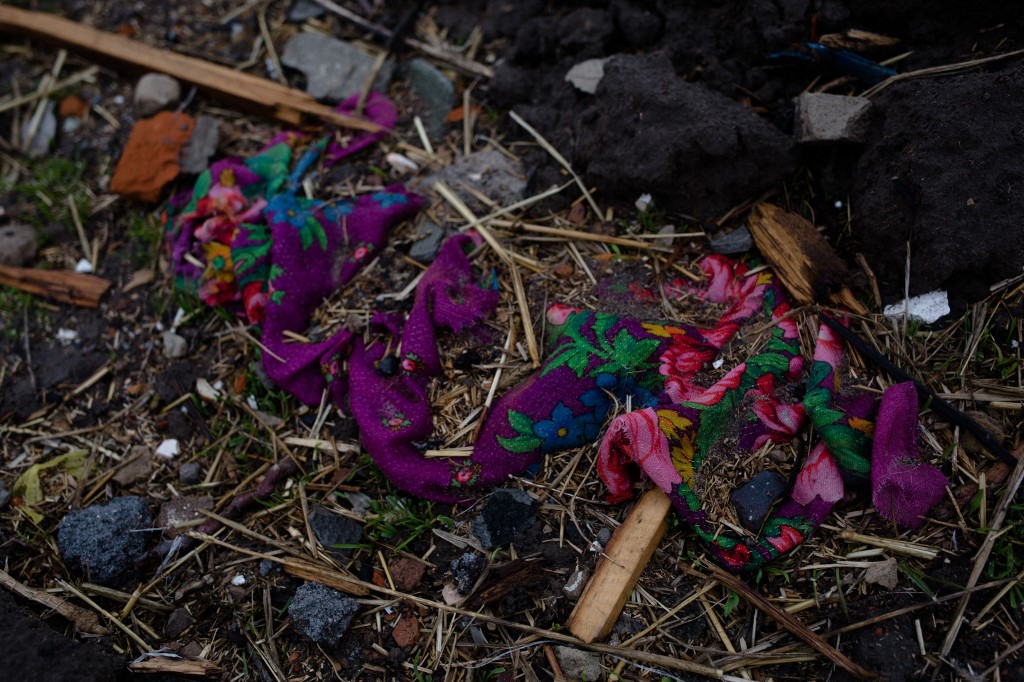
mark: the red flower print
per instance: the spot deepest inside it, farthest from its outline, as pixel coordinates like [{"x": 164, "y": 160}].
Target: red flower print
[
  {"x": 789, "y": 537},
  {"x": 360, "y": 253}
]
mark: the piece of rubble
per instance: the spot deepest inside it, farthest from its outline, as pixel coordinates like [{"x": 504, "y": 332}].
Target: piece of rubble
[
  {"x": 155, "y": 91},
  {"x": 321, "y": 614},
  {"x": 195, "y": 157},
  {"x": 586, "y": 75},
  {"x": 928, "y": 308},
  {"x": 334, "y": 69},
  {"x": 754, "y": 499},
  {"x": 335, "y": 532},
  {"x": 832, "y": 118},
  {"x": 304, "y": 10},
  {"x": 576, "y": 583},
  {"x": 579, "y": 665},
  {"x": 175, "y": 346},
  {"x": 150, "y": 158},
  {"x": 18, "y": 245},
  {"x": 435, "y": 90},
  {"x": 429, "y": 240},
  {"x": 178, "y": 511},
  {"x": 488, "y": 172},
  {"x": 736, "y": 241},
  {"x": 103, "y": 541},
  {"x": 506, "y": 513}
]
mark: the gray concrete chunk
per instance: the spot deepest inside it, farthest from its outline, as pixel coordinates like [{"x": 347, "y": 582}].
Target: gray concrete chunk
[
  {"x": 334, "y": 69},
  {"x": 832, "y": 118}
]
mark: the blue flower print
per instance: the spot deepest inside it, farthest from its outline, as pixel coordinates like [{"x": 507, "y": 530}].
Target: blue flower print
[
  {"x": 286, "y": 208},
  {"x": 564, "y": 430},
  {"x": 335, "y": 211},
  {"x": 389, "y": 199}
]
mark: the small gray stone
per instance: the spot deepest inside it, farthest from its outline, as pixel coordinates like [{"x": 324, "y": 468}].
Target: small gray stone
[
  {"x": 45, "y": 132},
  {"x": 195, "y": 157},
  {"x": 425, "y": 247},
  {"x": 489, "y": 172},
  {"x": 18, "y": 245},
  {"x": 604, "y": 535},
  {"x": 334, "y": 70},
  {"x": 178, "y": 511},
  {"x": 435, "y": 90},
  {"x": 102, "y": 541},
  {"x": 190, "y": 473},
  {"x": 506, "y": 513},
  {"x": 832, "y": 118},
  {"x": 5, "y": 496},
  {"x": 579, "y": 665},
  {"x": 361, "y": 502},
  {"x": 154, "y": 91},
  {"x": 576, "y": 583},
  {"x": 586, "y": 75},
  {"x": 320, "y": 614},
  {"x": 174, "y": 346},
  {"x": 466, "y": 569},
  {"x": 754, "y": 499},
  {"x": 737, "y": 241},
  {"x": 304, "y": 10},
  {"x": 179, "y": 621},
  {"x": 332, "y": 531}
]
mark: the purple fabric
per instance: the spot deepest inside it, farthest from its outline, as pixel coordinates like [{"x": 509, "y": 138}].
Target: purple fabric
[{"x": 903, "y": 488}]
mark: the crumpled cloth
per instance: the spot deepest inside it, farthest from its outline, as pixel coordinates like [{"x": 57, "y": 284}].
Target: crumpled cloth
[{"x": 244, "y": 238}]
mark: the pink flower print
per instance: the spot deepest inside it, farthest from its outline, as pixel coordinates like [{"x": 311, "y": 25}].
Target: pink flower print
[
  {"x": 635, "y": 437},
  {"x": 410, "y": 363},
  {"x": 558, "y": 313},
  {"x": 361, "y": 252},
  {"x": 819, "y": 477},
  {"x": 789, "y": 538}
]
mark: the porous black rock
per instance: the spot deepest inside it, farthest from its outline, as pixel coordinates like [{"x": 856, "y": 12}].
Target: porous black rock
[
  {"x": 321, "y": 614},
  {"x": 334, "y": 531},
  {"x": 102, "y": 541},
  {"x": 506, "y": 513}
]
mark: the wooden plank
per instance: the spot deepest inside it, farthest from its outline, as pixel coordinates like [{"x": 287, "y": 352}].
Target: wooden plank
[
  {"x": 242, "y": 90},
  {"x": 625, "y": 557},
  {"x": 60, "y": 285},
  {"x": 809, "y": 268}
]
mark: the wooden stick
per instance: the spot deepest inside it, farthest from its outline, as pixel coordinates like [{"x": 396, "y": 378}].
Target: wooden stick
[
  {"x": 625, "y": 557},
  {"x": 60, "y": 285},
  {"x": 83, "y": 620},
  {"x": 786, "y": 620},
  {"x": 245, "y": 91}
]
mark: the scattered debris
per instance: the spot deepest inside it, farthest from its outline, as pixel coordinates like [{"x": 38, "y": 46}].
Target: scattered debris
[
  {"x": 321, "y": 614},
  {"x": 488, "y": 172},
  {"x": 175, "y": 346},
  {"x": 177, "y": 623},
  {"x": 733, "y": 242},
  {"x": 466, "y": 570},
  {"x": 407, "y": 630},
  {"x": 190, "y": 473},
  {"x": 60, "y": 285},
  {"x": 586, "y": 75},
  {"x": 195, "y": 157},
  {"x": 150, "y": 158},
  {"x": 424, "y": 249},
  {"x": 136, "y": 466},
  {"x": 755, "y": 498},
  {"x": 334, "y": 69},
  {"x": 506, "y": 513},
  {"x": 168, "y": 448},
  {"x": 18, "y": 245},
  {"x": 435, "y": 90},
  {"x": 928, "y": 308},
  {"x": 304, "y": 10},
  {"x": 832, "y": 118},
  {"x": 179, "y": 514},
  {"x": 578, "y": 664},
  {"x": 102, "y": 541},
  {"x": 406, "y": 572},
  {"x": 37, "y": 141},
  {"x": 155, "y": 91},
  {"x": 336, "y": 533},
  {"x": 576, "y": 583},
  {"x": 884, "y": 573}
]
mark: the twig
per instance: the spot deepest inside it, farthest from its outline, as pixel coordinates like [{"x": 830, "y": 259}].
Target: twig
[
  {"x": 83, "y": 620},
  {"x": 944, "y": 70},
  {"x": 558, "y": 157},
  {"x": 784, "y": 619},
  {"x": 109, "y": 616},
  {"x": 938, "y": 405},
  {"x": 986, "y": 549},
  {"x": 524, "y": 312}
]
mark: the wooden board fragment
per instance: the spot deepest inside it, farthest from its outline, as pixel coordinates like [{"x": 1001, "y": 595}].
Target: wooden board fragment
[
  {"x": 242, "y": 90},
  {"x": 809, "y": 268},
  {"x": 625, "y": 557},
  {"x": 60, "y": 285}
]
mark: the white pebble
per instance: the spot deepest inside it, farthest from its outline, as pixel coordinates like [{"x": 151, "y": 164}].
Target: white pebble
[
  {"x": 169, "y": 448},
  {"x": 238, "y": 580}
]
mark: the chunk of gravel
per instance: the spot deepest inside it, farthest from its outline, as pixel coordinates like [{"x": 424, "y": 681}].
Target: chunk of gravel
[
  {"x": 321, "y": 614},
  {"x": 102, "y": 541}
]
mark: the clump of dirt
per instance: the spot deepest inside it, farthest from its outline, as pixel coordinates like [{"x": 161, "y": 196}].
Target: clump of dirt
[
  {"x": 695, "y": 150},
  {"x": 944, "y": 172}
]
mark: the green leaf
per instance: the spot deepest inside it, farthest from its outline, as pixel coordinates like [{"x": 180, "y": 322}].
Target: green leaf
[
  {"x": 520, "y": 443},
  {"x": 603, "y": 323},
  {"x": 520, "y": 422}
]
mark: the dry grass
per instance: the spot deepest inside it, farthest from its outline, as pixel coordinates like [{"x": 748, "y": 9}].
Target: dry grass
[{"x": 673, "y": 615}]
